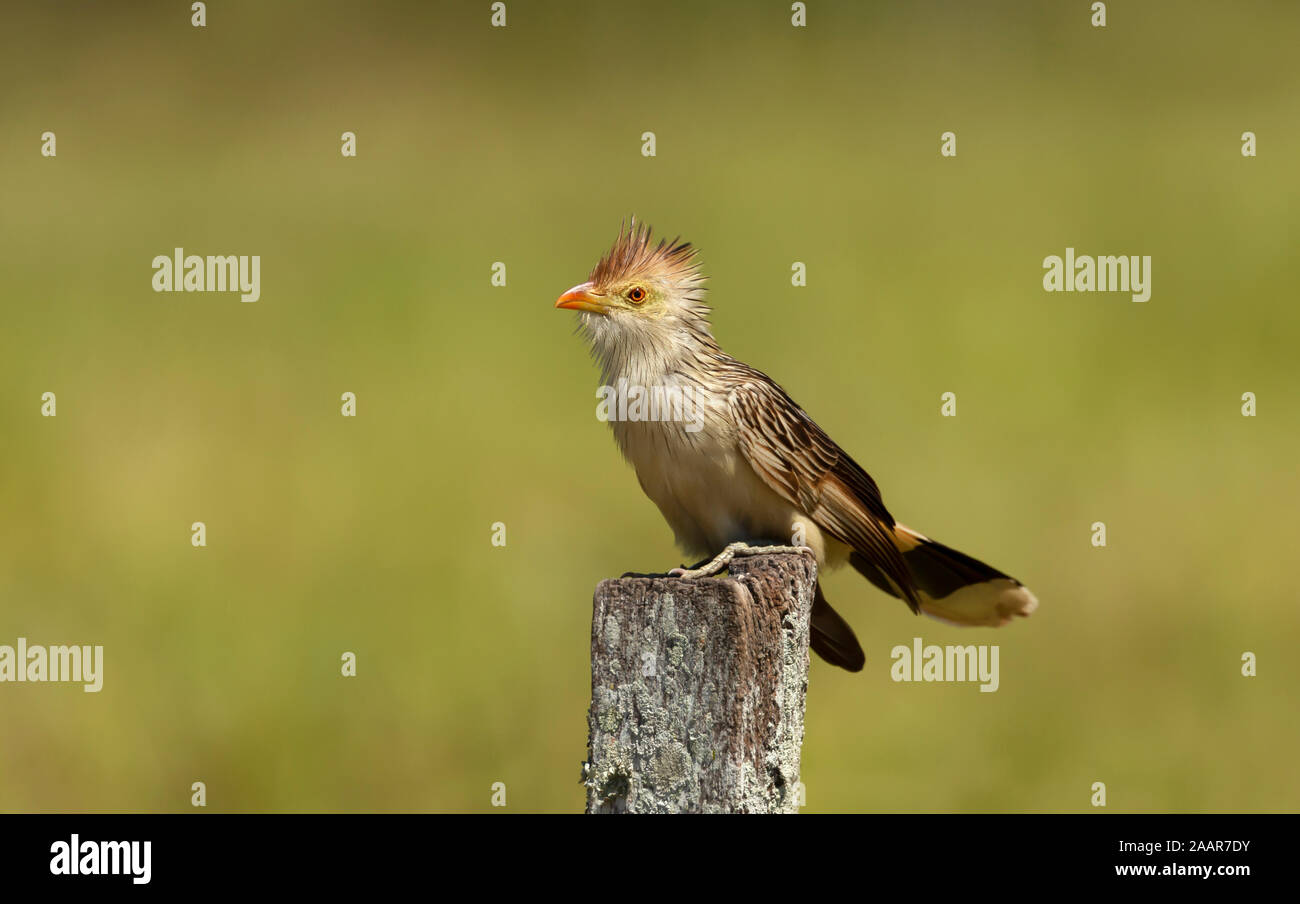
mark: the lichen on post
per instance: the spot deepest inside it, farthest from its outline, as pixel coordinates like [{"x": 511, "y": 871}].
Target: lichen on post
[{"x": 698, "y": 689}]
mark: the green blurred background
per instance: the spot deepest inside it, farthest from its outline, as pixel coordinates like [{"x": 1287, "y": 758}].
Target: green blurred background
[{"x": 476, "y": 404}]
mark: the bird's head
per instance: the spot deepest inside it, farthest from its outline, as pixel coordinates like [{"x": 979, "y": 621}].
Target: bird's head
[{"x": 642, "y": 292}]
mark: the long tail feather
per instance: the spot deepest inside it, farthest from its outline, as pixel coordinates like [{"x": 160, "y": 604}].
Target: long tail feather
[
  {"x": 831, "y": 638},
  {"x": 954, "y": 587}
]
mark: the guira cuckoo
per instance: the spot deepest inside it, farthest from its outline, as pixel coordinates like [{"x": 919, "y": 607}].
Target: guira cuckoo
[{"x": 756, "y": 467}]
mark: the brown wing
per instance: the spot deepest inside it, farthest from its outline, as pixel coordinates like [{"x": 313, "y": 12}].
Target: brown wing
[{"x": 800, "y": 462}]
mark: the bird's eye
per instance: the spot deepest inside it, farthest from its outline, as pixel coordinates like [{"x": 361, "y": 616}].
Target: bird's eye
[{"x": 636, "y": 295}]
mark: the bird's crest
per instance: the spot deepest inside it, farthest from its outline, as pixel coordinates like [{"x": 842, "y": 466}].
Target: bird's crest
[{"x": 634, "y": 254}]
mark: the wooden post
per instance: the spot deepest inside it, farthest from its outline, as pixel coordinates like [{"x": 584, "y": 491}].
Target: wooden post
[{"x": 697, "y": 690}]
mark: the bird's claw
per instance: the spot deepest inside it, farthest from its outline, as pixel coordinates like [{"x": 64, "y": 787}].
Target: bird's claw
[{"x": 722, "y": 560}]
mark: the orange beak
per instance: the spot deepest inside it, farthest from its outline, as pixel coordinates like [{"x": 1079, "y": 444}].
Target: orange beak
[{"x": 581, "y": 298}]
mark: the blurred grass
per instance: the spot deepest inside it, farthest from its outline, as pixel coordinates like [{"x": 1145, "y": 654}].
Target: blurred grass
[{"x": 476, "y": 403}]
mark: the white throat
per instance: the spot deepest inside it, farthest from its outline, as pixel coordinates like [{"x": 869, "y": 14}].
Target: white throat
[{"x": 643, "y": 352}]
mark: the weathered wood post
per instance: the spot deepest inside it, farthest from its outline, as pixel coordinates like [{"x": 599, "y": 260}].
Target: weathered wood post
[{"x": 698, "y": 687}]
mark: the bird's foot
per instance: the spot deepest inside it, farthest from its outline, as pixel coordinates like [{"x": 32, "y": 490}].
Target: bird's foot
[{"x": 722, "y": 560}]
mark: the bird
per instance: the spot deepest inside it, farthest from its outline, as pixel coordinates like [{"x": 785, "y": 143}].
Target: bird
[{"x": 753, "y": 468}]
